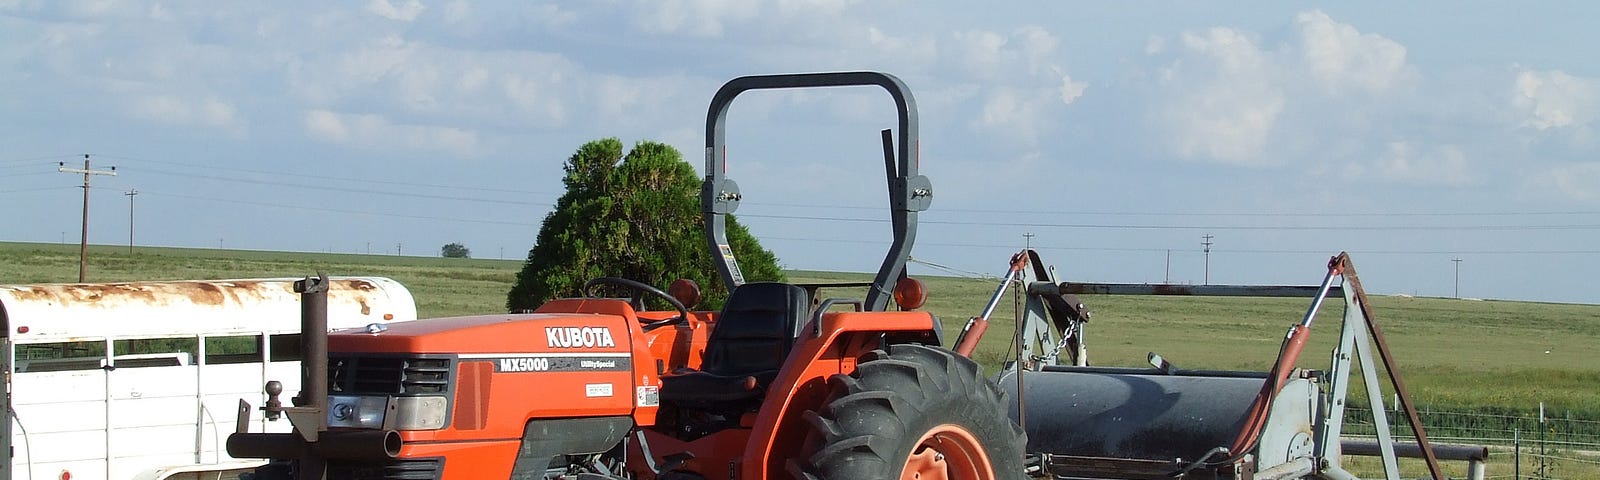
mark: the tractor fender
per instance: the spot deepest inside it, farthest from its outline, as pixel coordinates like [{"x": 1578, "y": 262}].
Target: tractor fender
[{"x": 829, "y": 345}]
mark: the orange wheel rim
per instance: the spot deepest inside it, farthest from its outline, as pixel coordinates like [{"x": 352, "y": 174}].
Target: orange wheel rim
[{"x": 947, "y": 452}]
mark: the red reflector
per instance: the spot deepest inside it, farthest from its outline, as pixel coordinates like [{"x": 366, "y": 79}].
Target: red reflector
[
  {"x": 66, "y": 475},
  {"x": 22, "y": 329}
]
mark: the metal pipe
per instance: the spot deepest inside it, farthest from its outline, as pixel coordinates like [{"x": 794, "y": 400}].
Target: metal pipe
[
  {"x": 314, "y": 340},
  {"x": 1335, "y": 268},
  {"x": 1090, "y": 288},
  {"x": 973, "y": 331},
  {"x": 344, "y": 445},
  {"x": 314, "y": 379},
  {"x": 1370, "y": 448}
]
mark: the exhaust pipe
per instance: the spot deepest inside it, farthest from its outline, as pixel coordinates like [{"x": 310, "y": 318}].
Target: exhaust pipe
[
  {"x": 371, "y": 445},
  {"x": 311, "y": 443},
  {"x": 314, "y": 348}
]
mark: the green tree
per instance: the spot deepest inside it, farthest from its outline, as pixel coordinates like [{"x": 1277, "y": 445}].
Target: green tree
[
  {"x": 634, "y": 216},
  {"x": 455, "y": 250}
]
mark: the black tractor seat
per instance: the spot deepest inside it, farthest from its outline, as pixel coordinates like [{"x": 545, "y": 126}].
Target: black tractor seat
[{"x": 748, "y": 345}]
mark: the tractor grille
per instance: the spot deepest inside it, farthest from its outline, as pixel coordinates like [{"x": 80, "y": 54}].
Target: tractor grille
[
  {"x": 411, "y": 469},
  {"x": 389, "y": 375}
]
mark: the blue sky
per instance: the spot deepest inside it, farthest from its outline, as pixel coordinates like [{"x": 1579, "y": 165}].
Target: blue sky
[{"x": 1114, "y": 132}]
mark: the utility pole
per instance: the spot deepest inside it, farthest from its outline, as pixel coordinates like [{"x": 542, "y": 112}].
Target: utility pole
[
  {"x": 83, "y": 245},
  {"x": 1458, "y": 277},
  {"x": 132, "y": 192},
  {"x": 396, "y": 249},
  {"x": 1207, "y": 244},
  {"x": 1169, "y": 267}
]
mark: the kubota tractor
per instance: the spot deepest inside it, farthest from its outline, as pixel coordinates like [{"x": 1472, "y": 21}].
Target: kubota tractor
[{"x": 778, "y": 384}]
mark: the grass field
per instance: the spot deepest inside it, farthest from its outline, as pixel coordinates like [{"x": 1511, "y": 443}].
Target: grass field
[{"x": 1455, "y": 354}]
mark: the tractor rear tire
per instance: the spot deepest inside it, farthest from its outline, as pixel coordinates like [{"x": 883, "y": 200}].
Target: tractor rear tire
[{"x": 913, "y": 412}]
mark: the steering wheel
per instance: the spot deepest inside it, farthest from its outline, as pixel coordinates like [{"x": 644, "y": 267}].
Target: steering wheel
[{"x": 636, "y": 301}]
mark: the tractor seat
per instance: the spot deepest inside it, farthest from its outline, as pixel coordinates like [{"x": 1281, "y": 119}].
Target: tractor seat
[{"x": 748, "y": 345}]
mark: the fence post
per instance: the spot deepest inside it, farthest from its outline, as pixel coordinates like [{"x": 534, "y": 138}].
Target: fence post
[
  {"x": 1516, "y": 453},
  {"x": 1541, "y": 442}
]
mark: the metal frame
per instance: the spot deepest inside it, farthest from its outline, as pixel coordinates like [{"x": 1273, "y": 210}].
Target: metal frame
[
  {"x": 1358, "y": 335},
  {"x": 909, "y": 192}
]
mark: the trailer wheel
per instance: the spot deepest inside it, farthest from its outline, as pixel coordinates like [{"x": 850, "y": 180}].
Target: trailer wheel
[{"x": 912, "y": 412}]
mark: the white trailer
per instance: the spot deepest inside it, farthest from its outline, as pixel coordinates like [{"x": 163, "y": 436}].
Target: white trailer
[{"x": 142, "y": 380}]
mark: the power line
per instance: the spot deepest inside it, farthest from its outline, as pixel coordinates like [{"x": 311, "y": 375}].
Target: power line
[
  {"x": 83, "y": 248},
  {"x": 477, "y": 188},
  {"x": 35, "y": 189},
  {"x": 1112, "y": 226},
  {"x": 350, "y": 190},
  {"x": 1192, "y": 251},
  {"x": 20, "y": 167},
  {"x": 334, "y": 210},
  {"x": 1135, "y": 213},
  {"x": 62, "y": 158},
  {"x": 349, "y": 179}
]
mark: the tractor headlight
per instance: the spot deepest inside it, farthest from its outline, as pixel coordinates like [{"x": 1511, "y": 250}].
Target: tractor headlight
[
  {"x": 411, "y": 413},
  {"x": 358, "y": 412}
]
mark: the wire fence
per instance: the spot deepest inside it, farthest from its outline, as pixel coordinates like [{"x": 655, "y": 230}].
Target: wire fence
[{"x": 1524, "y": 444}]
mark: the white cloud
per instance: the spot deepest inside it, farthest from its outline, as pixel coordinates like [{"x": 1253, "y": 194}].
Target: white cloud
[
  {"x": 919, "y": 50},
  {"x": 160, "y": 13},
  {"x": 1227, "y": 98},
  {"x": 1019, "y": 79},
  {"x": 473, "y": 79},
  {"x": 405, "y": 12},
  {"x": 1405, "y": 162},
  {"x": 551, "y": 15},
  {"x": 1553, "y": 99},
  {"x": 1155, "y": 45},
  {"x": 981, "y": 53},
  {"x": 374, "y": 132},
  {"x": 174, "y": 110},
  {"x": 326, "y": 125},
  {"x": 1004, "y": 108},
  {"x": 829, "y": 7},
  {"x": 1339, "y": 57},
  {"x": 538, "y": 94},
  {"x": 1037, "y": 45},
  {"x": 1071, "y": 90},
  {"x": 696, "y": 18},
  {"x": 457, "y": 10},
  {"x": 1575, "y": 181},
  {"x": 436, "y": 84}
]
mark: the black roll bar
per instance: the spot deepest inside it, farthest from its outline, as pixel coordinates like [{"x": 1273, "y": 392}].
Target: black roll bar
[{"x": 909, "y": 192}]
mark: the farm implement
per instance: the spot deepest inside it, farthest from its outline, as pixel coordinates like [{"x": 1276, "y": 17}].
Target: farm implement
[
  {"x": 1165, "y": 422},
  {"x": 784, "y": 382}
]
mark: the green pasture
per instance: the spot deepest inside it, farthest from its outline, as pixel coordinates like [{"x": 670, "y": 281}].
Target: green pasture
[
  {"x": 1485, "y": 358},
  {"x": 1454, "y": 354}
]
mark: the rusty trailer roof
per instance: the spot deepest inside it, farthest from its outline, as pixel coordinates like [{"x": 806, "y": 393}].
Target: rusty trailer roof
[{"x": 74, "y": 311}]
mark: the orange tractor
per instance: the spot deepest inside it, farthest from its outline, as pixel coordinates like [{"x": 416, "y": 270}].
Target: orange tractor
[
  {"x": 785, "y": 383},
  {"x": 779, "y": 384}
]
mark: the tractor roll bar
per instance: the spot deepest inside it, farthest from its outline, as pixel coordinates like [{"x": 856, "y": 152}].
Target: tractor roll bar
[{"x": 909, "y": 192}]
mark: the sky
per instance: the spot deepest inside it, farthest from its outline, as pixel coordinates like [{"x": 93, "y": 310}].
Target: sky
[{"x": 1114, "y": 137}]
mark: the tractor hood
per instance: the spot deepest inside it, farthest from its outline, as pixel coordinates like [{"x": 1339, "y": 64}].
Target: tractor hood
[{"x": 536, "y": 332}]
